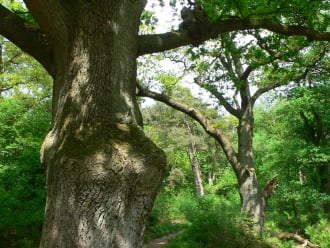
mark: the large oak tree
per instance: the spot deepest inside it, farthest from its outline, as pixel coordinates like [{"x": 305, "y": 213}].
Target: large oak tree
[{"x": 102, "y": 172}]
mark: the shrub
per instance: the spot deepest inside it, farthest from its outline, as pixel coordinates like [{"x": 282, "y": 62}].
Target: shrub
[
  {"x": 320, "y": 233},
  {"x": 215, "y": 224}
]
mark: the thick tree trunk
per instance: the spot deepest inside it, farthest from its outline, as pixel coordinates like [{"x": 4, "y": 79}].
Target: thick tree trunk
[
  {"x": 102, "y": 172},
  {"x": 100, "y": 189},
  {"x": 251, "y": 194},
  {"x": 252, "y": 197}
]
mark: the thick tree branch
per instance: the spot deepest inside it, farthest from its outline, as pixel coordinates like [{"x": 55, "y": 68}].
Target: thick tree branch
[
  {"x": 232, "y": 62},
  {"x": 27, "y": 37},
  {"x": 246, "y": 73},
  {"x": 162, "y": 42},
  {"x": 217, "y": 134}
]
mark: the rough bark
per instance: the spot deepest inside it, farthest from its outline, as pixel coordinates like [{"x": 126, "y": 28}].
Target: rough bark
[
  {"x": 102, "y": 172},
  {"x": 100, "y": 189}
]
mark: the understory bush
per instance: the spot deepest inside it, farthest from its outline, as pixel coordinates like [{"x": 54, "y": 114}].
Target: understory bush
[
  {"x": 320, "y": 233},
  {"x": 216, "y": 223}
]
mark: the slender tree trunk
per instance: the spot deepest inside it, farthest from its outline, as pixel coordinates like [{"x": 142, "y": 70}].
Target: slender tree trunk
[
  {"x": 211, "y": 177},
  {"x": 196, "y": 169},
  {"x": 102, "y": 172}
]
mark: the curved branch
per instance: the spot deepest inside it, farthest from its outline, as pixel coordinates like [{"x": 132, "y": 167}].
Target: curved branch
[
  {"x": 162, "y": 42},
  {"x": 265, "y": 89},
  {"x": 222, "y": 100},
  {"x": 217, "y": 134},
  {"x": 27, "y": 37}
]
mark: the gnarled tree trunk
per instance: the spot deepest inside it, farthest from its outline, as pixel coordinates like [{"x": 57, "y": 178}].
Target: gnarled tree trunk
[{"x": 102, "y": 172}]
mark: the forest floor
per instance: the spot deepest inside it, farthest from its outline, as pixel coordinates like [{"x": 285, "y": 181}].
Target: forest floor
[{"x": 160, "y": 242}]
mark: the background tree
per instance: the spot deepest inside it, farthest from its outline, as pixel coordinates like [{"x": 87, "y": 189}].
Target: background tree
[{"x": 247, "y": 68}]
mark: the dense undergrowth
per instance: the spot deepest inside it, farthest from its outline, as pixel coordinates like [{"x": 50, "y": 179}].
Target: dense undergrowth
[{"x": 215, "y": 221}]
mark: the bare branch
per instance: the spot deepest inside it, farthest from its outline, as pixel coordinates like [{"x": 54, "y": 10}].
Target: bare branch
[
  {"x": 11, "y": 60},
  {"x": 6, "y": 88}
]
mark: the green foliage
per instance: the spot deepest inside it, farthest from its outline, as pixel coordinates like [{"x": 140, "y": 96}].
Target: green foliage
[
  {"x": 22, "y": 182},
  {"x": 293, "y": 140},
  {"x": 21, "y": 76},
  {"x": 166, "y": 216},
  {"x": 148, "y": 21},
  {"x": 309, "y": 13},
  {"x": 22, "y": 197},
  {"x": 214, "y": 223},
  {"x": 168, "y": 82},
  {"x": 320, "y": 233},
  {"x": 25, "y": 90}
]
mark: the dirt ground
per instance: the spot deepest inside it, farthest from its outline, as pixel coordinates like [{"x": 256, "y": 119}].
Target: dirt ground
[{"x": 160, "y": 242}]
